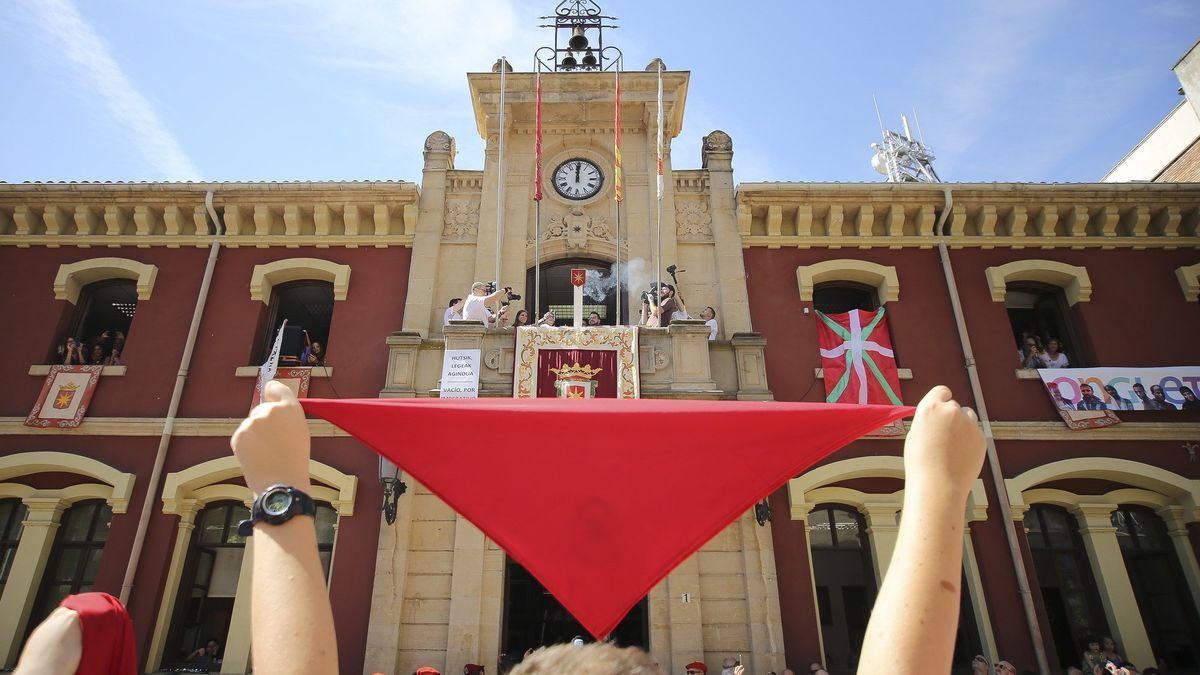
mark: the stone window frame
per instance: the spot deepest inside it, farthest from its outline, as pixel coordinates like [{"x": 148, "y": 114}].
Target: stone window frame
[
  {"x": 265, "y": 277},
  {"x": 185, "y": 493},
  {"x": 883, "y": 278},
  {"x": 72, "y": 277},
  {"x": 1072, "y": 279}
]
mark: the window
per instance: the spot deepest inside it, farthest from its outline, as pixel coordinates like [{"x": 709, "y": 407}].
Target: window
[
  {"x": 1040, "y": 312},
  {"x": 208, "y": 587},
  {"x": 845, "y": 581},
  {"x": 74, "y": 558},
  {"x": 308, "y": 308},
  {"x": 12, "y": 512},
  {"x": 1064, "y": 575},
  {"x": 99, "y": 324},
  {"x": 839, "y": 297}
]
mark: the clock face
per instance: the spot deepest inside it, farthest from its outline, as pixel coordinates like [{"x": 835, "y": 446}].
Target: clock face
[{"x": 578, "y": 179}]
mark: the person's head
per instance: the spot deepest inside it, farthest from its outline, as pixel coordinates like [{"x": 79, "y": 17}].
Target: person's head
[
  {"x": 666, "y": 291},
  {"x": 788, "y": 671},
  {"x": 454, "y": 302},
  {"x": 1005, "y": 668},
  {"x": 522, "y": 318},
  {"x": 1031, "y": 344},
  {"x": 729, "y": 662},
  {"x": 316, "y": 347},
  {"x": 427, "y": 670},
  {"x": 1085, "y": 390},
  {"x": 1093, "y": 645},
  {"x": 212, "y": 647},
  {"x": 1053, "y": 345},
  {"x": 118, "y": 339},
  {"x": 597, "y": 658},
  {"x": 695, "y": 668},
  {"x": 97, "y": 351},
  {"x": 1139, "y": 389},
  {"x": 1110, "y": 645},
  {"x": 478, "y": 288},
  {"x": 1188, "y": 394},
  {"x": 708, "y": 313},
  {"x": 1074, "y": 671},
  {"x": 815, "y": 666},
  {"x": 71, "y": 343},
  {"x": 1157, "y": 392},
  {"x": 980, "y": 665},
  {"x": 594, "y": 319}
]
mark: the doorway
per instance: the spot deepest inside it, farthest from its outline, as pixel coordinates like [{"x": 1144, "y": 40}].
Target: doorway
[
  {"x": 534, "y": 618},
  {"x": 558, "y": 295},
  {"x": 845, "y": 582}
]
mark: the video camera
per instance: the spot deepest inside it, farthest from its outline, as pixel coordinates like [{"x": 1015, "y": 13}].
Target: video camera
[{"x": 509, "y": 295}]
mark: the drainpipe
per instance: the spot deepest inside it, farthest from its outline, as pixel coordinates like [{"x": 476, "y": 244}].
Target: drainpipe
[
  {"x": 164, "y": 441},
  {"x": 1035, "y": 633}
]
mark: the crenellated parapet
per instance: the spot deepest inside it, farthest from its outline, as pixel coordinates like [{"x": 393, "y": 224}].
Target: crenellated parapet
[
  {"x": 1128, "y": 215},
  {"x": 84, "y": 215}
]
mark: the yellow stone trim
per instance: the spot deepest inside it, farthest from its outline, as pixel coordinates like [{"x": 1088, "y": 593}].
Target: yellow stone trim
[
  {"x": 1180, "y": 490},
  {"x": 204, "y": 241},
  {"x": 883, "y": 278},
  {"x": 25, "y": 463},
  {"x": 266, "y": 277},
  {"x": 196, "y": 483},
  {"x": 957, "y": 242},
  {"x": 73, "y": 277},
  {"x": 1073, "y": 279},
  {"x": 109, "y": 371},
  {"x": 1189, "y": 281}
]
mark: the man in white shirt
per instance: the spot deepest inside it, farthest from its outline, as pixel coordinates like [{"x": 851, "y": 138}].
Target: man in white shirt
[
  {"x": 475, "y": 306},
  {"x": 453, "y": 312},
  {"x": 710, "y": 319}
]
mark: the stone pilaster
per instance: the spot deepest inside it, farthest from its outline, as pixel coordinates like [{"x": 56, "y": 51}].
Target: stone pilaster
[
  {"x": 717, "y": 154},
  {"x": 40, "y": 524},
  {"x": 882, "y": 531},
  {"x": 421, "y": 313},
  {"x": 748, "y": 351},
  {"x": 237, "y": 645},
  {"x": 1176, "y": 519},
  {"x": 403, "y": 347},
  {"x": 692, "y": 365}
]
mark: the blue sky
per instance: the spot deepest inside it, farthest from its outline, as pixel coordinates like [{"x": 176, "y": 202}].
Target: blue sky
[{"x": 1020, "y": 90}]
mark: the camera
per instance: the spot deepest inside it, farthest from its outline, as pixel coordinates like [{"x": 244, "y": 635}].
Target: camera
[{"x": 510, "y": 296}]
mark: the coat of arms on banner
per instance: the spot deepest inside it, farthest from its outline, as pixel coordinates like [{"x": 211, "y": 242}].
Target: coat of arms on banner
[
  {"x": 65, "y": 396},
  {"x": 859, "y": 362},
  {"x": 575, "y": 381},
  {"x": 296, "y": 379}
]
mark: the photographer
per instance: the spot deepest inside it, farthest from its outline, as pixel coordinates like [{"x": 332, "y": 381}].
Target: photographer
[{"x": 475, "y": 306}]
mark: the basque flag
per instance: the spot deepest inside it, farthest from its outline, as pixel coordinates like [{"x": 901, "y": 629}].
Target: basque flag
[{"x": 857, "y": 355}]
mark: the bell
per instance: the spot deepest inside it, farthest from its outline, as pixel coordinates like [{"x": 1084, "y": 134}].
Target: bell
[
  {"x": 569, "y": 63},
  {"x": 578, "y": 41},
  {"x": 589, "y": 59}
]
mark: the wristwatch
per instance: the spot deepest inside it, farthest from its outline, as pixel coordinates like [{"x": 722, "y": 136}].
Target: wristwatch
[{"x": 276, "y": 505}]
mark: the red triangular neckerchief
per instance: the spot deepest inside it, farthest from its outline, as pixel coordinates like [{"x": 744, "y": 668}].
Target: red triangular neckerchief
[{"x": 600, "y": 499}]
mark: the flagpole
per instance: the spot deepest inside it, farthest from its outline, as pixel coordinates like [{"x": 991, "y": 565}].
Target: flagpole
[
  {"x": 619, "y": 187},
  {"x": 537, "y": 189},
  {"x": 500, "y": 168},
  {"x": 658, "y": 249}
]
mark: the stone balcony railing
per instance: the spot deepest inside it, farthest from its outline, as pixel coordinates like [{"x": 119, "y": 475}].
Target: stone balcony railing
[{"x": 674, "y": 362}]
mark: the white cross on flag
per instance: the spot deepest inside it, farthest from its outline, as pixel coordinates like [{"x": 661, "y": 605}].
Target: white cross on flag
[{"x": 859, "y": 364}]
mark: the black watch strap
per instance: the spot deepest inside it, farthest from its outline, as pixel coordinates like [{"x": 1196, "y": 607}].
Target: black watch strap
[{"x": 265, "y": 508}]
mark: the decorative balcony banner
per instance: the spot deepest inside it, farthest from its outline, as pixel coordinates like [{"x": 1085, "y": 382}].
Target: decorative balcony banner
[
  {"x": 603, "y": 518},
  {"x": 595, "y": 362},
  {"x": 65, "y": 396},
  {"x": 1101, "y": 391},
  {"x": 859, "y": 362},
  {"x": 296, "y": 379}
]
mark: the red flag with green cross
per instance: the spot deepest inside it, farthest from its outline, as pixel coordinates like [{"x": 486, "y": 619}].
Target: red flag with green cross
[{"x": 857, "y": 356}]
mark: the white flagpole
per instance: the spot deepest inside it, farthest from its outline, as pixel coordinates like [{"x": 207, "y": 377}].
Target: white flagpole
[
  {"x": 267, "y": 371},
  {"x": 658, "y": 250},
  {"x": 500, "y": 168}
]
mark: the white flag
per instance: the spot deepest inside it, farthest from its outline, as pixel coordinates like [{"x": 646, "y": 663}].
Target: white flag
[{"x": 267, "y": 371}]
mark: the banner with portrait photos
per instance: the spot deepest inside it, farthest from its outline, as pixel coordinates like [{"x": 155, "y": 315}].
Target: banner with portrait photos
[
  {"x": 65, "y": 396},
  {"x": 1092, "y": 396}
]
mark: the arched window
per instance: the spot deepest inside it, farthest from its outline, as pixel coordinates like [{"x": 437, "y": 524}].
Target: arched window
[
  {"x": 208, "y": 587},
  {"x": 1068, "y": 588},
  {"x": 845, "y": 581},
  {"x": 838, "y": 297},
  {"x": 558, "y": 295},
  {"x": 1041, "y": 310},
  {"x": 74, "y": 558},
  {"x": 99, "y": 323},
  {"x": 307, "y": 305},
  {"x": 12, "y": 512},
  {"x": 1168, "y": 611}
]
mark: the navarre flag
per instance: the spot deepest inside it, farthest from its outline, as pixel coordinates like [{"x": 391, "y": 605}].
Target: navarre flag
[
  {"x": 618, "y": 182},
  {"x": 537, "y": 139},
  {"x": 857, "y": 356}
]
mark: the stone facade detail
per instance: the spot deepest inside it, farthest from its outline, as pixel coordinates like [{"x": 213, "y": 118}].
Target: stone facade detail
[
  {"x": 576, "y": 228},
  {"x": 462, "y": 221},
  {"x": 693, "y": 220}
]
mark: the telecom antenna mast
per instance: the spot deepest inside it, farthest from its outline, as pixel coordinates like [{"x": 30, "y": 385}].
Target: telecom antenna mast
[{"x": 902, "y": 158}]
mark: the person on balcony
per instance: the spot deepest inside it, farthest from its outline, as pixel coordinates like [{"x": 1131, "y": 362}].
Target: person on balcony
[{"x": 1053, "y": 356}]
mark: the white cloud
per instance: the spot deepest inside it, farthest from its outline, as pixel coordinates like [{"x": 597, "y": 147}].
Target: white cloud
[{"x": 93, "y": 63}]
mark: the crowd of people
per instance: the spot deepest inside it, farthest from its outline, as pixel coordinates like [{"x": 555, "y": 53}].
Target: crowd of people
[
  {"x": 1100, "y": 657},
  {"x": 103, "y": 350},
  {"x": 1034, "y": 355},
  {"x": 658, "y": 311}
]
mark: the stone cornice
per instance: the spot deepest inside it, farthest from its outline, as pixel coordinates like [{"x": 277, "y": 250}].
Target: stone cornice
[{"x": 1011, "y": 215}]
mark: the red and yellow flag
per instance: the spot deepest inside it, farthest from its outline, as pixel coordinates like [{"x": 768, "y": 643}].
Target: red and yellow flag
[{"x": 619, "y": 183}]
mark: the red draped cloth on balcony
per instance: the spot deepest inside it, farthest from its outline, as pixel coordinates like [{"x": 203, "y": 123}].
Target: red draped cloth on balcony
[
  {"x": 631, "y": 489},
  {"x": 604, "y": 359}
]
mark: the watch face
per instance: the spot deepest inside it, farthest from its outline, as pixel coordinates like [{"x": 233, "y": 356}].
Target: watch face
[
  {"x": 277, "y": 502},
  {"x": 578, "y": 179}
]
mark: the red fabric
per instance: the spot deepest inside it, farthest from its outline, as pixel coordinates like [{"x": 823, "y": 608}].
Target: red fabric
[
  {"x": 596, "y": 504},
  {"x": 865, "y": 342},
  {"x": 604, "y": 359},
  {"x": 108, "y": 647}
]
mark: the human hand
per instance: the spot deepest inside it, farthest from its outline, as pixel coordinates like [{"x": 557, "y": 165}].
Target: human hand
[
  {"x": 945, "y": 446},
  {"x": 739, "y": 670},
  {"x": 272, "y": 443}
]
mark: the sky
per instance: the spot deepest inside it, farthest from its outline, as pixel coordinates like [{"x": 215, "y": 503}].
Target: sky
[{"x": 276, "y": 90}]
